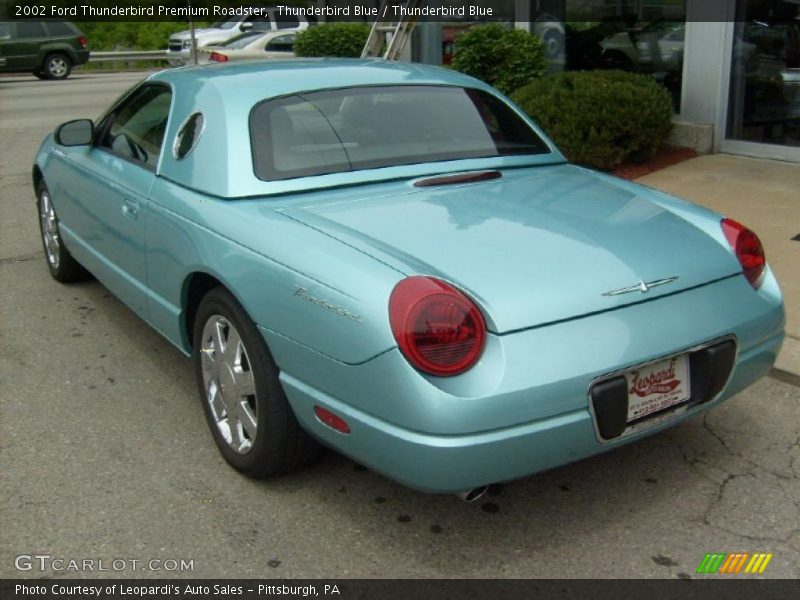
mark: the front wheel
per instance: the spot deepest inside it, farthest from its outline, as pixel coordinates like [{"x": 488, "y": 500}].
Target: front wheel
[
  {"x": 63, "y": 267},
  {"x": 57, "y": 66},
  {"x": 251, "y": 420}
]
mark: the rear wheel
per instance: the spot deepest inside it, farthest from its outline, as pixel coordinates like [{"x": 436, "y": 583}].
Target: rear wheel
[
  {"x": 57, "y": 66},
  {"x": 251, "y": 420},
  {"x": 553, "y": 44},
  {"x": 63, "y": 267}
]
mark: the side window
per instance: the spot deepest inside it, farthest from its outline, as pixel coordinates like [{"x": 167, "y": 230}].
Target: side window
[
  {"x": 282, "y": 43},
  {"x": 60, "y": 29},
  {"x": 260, "y": 23},
  {"x": 135, "y": 129},
  {"x": 286, "y": 21},
  {"x": 188, "y": 135},
  {"x": 5, "y": 31},
  {"x": 30, "y": 29}
]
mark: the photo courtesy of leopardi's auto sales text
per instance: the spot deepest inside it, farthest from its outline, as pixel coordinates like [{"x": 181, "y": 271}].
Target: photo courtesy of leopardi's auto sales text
[
  {"x": 399, "y": 299},
  {"x": 166, "y": 590}
]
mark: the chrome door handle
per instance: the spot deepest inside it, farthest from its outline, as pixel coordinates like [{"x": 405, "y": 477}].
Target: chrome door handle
[{"x": 130, "y": 208}]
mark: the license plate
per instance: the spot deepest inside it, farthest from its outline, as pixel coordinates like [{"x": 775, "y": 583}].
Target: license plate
[{"x": 658, "y": 386}]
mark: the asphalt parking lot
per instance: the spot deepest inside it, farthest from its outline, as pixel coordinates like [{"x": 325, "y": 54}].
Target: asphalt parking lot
[{"x": 105, "y": 453}]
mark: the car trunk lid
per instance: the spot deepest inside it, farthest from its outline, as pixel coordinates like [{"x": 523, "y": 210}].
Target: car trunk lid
[{"x": 533, "y": 247}]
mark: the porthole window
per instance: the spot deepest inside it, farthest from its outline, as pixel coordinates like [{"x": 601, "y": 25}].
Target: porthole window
[{"x": 188, "y": 135}]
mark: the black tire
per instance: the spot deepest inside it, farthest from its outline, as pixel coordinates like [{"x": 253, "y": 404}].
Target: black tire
[
  {"x": 63, "y": 267},
  {"x": 279, "y": 445},
  {"x": 56, "y": 66},
  {"x": 40, "y": 75}
]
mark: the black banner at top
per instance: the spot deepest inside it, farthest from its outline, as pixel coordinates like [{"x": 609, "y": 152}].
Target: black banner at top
[
  {"x": 369, "y": 10},
  {"x": 215, "y": 10}
]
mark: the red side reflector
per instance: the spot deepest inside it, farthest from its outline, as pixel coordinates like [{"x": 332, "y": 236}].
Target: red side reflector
[
  {"x": 217, "y": 57},
  {"x": 83, "y": 41},
  {"x": 331, "y": 420}
]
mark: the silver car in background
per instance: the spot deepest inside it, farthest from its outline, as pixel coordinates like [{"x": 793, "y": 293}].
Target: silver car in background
[
  {"x": 179, "y": 50},
  {"x": 250, "y": 45}
]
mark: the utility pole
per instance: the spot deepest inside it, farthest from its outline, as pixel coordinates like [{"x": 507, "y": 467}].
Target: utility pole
[{"x": 191, "y": 30}]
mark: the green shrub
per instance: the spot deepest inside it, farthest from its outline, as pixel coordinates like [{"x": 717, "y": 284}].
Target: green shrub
[
  {"x": 600, "y": 118},
  {"x": 130, "y": 35},
  {"x": 503, "y": 57},
  {"x": 332, "y": 39}
]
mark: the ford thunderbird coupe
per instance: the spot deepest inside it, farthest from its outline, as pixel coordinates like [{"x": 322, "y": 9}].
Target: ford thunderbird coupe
[{"x": 394, "y": 261}]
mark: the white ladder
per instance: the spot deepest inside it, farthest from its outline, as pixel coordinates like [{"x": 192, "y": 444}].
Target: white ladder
[{"x": 390, "y": 30}]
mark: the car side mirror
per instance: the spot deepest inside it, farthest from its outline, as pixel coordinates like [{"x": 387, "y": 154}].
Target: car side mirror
[
  {"x": 75, "y": 133},
  {"x": 245, "y": 26}
]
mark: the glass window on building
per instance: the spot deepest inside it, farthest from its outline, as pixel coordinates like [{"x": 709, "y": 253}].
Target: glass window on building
[
  {"x": 765, "y": 73},
  {"x": 644, "y": 36}
]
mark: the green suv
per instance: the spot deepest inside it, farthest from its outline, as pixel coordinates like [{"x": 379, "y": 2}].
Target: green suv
[{"x": 48, "y": 49}]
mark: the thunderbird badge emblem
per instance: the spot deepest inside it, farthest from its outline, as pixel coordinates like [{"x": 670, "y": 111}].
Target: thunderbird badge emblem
[{"x": 641, "y": 287}]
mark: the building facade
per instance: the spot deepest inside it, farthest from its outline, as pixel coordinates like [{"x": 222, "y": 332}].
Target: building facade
[{"x": 732, "y": 66}]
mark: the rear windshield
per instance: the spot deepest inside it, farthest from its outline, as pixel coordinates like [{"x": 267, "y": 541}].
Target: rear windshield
[{"x": 371, "y": 127}]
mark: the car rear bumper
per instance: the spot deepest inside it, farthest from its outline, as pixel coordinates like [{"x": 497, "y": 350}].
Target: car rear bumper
[
  {"x": 82, "y": 57},
  {"x": 449, "y": 452},
  {"x": 436, "y": 463}
]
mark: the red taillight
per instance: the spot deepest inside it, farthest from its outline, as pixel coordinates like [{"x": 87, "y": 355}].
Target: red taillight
[
  {"x": 82, "y": 41},
  {"x": 438, "y": 329},
  {"x": 748, "y": 250},
  {"x": 331, "y": 420},
  {"x": 217, "y": 57}
]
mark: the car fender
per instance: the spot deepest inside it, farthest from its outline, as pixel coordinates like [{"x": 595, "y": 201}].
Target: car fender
[
  {"x": 51, "y": 47},
  {"x": 42, "y": 162},
  {"x": 292, "y": 280}
]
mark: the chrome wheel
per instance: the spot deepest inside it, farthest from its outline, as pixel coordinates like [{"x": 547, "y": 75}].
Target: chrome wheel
[
  {"x": 552, "y": 45},
  {"x": 58, "y": 67},
  {"x": 50, "y": 236},
  {"x": 250, "y": 418},
  {"x": 228, "y": 383}
]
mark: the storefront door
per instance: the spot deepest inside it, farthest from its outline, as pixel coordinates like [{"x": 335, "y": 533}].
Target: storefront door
[{"x": 763, "y": 116}]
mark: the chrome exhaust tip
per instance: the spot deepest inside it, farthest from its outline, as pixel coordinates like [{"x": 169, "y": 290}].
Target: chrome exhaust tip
[{"x": 473, "y": 494}]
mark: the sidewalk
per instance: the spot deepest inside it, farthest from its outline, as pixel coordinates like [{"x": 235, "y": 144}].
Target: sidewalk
[{"x": 763, "y": 195}]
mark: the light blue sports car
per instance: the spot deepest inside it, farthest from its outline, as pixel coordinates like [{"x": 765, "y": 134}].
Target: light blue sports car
[{"x": 394, "y": 261}]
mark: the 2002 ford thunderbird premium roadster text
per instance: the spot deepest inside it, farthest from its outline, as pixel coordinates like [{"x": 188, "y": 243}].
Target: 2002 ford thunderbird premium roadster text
[{"x": 394, "y": 261}]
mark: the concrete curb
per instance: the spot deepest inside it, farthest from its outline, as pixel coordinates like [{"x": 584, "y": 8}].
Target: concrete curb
[{"x": 789, "y": 358}]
